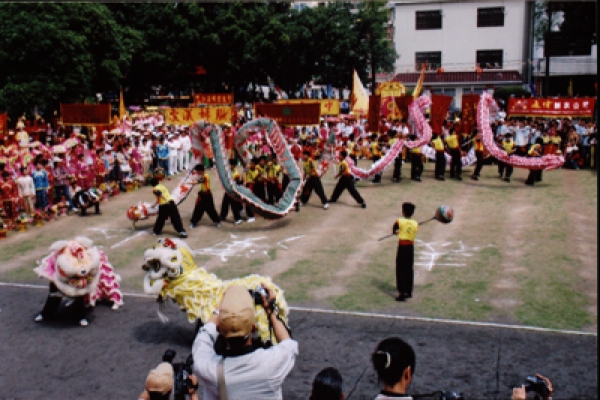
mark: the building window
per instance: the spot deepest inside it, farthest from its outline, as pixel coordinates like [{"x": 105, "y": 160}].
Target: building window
[
  {"x": 493, "y": 16},
  {"x": 429, "y": 19},
  {"x": 432, "y": 60},
  {"x": 489, "y": 59}
]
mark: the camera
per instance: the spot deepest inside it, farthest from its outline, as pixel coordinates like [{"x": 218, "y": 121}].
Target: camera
[
  {"x": 182, "y": 371},
  {"x": 258, "y": 293},
  {"x": 535, "y": 384}
]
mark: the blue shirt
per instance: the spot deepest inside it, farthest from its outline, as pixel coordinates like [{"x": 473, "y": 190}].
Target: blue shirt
[
  {"x": 40, "y": 180},
  {"x": 582, "y": 130},
  {"x": 162, "y": 151}
]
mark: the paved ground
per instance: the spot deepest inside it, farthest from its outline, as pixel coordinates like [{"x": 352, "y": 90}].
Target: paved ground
[{"x": 110, "y": 358}]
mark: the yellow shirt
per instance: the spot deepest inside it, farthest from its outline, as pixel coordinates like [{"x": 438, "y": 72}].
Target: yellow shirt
[
  {"x": 353, "y": 149},
  {"x": 438, "y": 145},
  {"x": 260, "y": 172},
  {"x": 407, "y": 229},
  {"x": 310, "y": 169},
  {"x": 478, "y": 145},
  {"x": 273, "y": 170},
  {"x": 204, "y": 181},
  {"x": 415, "y": 150},
  {"x": 532, "y": 149},
  {"x": 344, "y": 168},
  {"x": 508, "y": 146},
  {"x": 375, "y": 149},
  {"x": 164, "y": 196},
  {"x": 556, "y": 140},
  {"x": 392, "y": 141},
  {"x": 235, "y": 175},
  {"x": 546, "y": 139},
  {"x": 452, "y": 141},
  {"x": 251, "y": 175}
]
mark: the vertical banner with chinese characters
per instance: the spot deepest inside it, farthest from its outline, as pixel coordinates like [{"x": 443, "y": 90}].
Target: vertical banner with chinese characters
[
  {"x": 402, "y": 103},
  {"x": 201, "y": 99},
  {"x": 328, "y": 106},
  {"x": 187, "y": 116},
  {"x": 439, "y": 110},
  {"x": 374, "y": 109},
  {"x": 469, "y": 112},
  {"x": 3, "y": 123},
  {"x": 549, "y": 108}
]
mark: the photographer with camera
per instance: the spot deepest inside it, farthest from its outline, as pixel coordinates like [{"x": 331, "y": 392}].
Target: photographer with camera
[
  {"x": 160, "y": 381},
  {"x": 538, "y": 384},
  {"x": 243, "y": 370}
]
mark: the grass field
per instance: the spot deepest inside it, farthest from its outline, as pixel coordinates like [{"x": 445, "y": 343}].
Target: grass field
[{"x": 513, "y": 253}]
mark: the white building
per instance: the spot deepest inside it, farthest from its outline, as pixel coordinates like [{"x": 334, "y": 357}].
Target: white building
[{"x": 468, "y": 46}]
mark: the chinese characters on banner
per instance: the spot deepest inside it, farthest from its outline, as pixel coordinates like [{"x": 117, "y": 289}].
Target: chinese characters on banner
[
  {"x": 439, "y": 110},
  {"x": 469, "y": 112},
  {"x": 85, "y": 114},
  {"x": 374, "y": 108},
  {"x": 3, "y": 123},
  {"x": 402, "y": 103},
  {"x": 187, "y": 116},
  {"x": 290, "y": 114},
  {"x": 328, "y": 106},
  {"x": 547, "y": 107},
  {"x": 213, "y": 98}
]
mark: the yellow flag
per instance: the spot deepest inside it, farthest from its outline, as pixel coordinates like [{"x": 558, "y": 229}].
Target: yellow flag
[
  {"x": 570, "y": 88},
  {"x": 417, "y": 90},
  {"x": 122, "y": 110},
  {"x": 360, "y": 98}
]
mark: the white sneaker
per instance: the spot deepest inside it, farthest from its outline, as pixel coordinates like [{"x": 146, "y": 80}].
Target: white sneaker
[
  {"x": 115, "y": 306},
  {"x": 218, "y": 224},
  {"x": 192, "y": 226},
  {"x": 239, "y": 221},
  {"x": 325, "y": 206},
  {"x": 251, "y": 219},
  {"x": 183, "y": 234},
  {"x": 39, "y": 318},
  {"x": 84, "y": 322}
]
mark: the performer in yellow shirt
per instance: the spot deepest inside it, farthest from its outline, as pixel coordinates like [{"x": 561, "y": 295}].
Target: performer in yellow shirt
[
  {"x": 406, "y": 228},
  {"x": 375, "y": 155},
  {"x": 205, "y": 201},
  {"x": 454, "y": 150},
  {"x": 228, "y": 201},
  {"x": 273, "y": 170},
  {"x": 509, "y": 147},
  {"x": 166, "y": 208},
  {"x": 479, "y": 150},
  {"x": 346, "y": 182},
  {"x": 440, "y": 157},
  {"x": 313, "y": 181},
  {"x": 535, "y": 151}
]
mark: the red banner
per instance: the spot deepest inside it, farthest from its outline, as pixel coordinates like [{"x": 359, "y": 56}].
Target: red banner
[
  {"x": 469, "y": 112},
  {"x": 374, "y": 108},
  {"x": 3, "y": 123},
  {"x": 290, "y": 114},
  {"x": 439, "y": 110},
  {"x": 550, "y": 108},
  {"x": 85, "y": 114},
  {"x": 213, "y": 98},
  {"x": 402, "y": 102}
]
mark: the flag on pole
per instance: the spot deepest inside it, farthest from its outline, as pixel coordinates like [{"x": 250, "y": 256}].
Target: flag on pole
[
  {"x": 417, "y": 90},
  {"x": 122, "y": 110},
  {"x": 360, "y": 98},
  {"x": 570, "y": 88}
]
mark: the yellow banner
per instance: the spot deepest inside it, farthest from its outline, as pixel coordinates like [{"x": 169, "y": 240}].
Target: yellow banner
[
  {"x": 387, "y": 89},
  {"x": 359, "y": 104},
  {"x": 187, "y": 116},
  {"x": 328, "y": 106}
]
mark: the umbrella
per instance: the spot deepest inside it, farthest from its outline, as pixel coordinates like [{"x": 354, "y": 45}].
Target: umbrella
[
  {"x": 59, "y": 148},
  {"x": 71, "y": 142},
  {"x": 135, "y": 108}
]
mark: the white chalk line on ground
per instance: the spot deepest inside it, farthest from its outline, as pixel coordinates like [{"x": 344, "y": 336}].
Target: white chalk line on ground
[{"x": 373, "y": 315}]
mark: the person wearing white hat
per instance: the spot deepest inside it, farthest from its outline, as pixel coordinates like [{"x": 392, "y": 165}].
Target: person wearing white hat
[{"x": 173, "y": 150}]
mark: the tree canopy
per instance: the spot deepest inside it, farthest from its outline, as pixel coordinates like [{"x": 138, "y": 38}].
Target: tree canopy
[{"x": 68, "y": 52}]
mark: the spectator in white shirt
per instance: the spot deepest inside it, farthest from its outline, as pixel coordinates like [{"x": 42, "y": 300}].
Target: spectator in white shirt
[
  {"x": 173, "y": 150},
  {"x": 246, "y": 372},
  {"x": 186, "y": 146}
]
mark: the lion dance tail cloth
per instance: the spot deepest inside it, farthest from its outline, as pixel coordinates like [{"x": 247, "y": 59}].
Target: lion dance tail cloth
[
  {"x": 416, "y": 110},
  {"x": 546, "y": 162},
  {"x": 172, "y": 273},
  {"x": 283, "y": 154},
  {"x": 79, "y": 269}
]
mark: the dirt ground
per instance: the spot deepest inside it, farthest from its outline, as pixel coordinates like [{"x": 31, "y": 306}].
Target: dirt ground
[{"x": 111, "y": 358}]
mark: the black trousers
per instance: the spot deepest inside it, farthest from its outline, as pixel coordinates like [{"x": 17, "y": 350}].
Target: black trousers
[
  {"x": 205, "y": 203},
  {"x": 404, "y": 269},
  {"x": 285, "y": 181},
  {"x": 502, "y": 167},
  {"x": 83, "y": 210},
  {"x": 168, "y": 210},
  {"x": 479, "y": 165},
  {"x": 53, "y": 303},
  {"x": 273, "y": 192},
  {"x": 346, "y": 182},
  {"x": 416, "y": 166},
  {"x": 249, "y": 210},
  {"x": 355, "y": 159},
  {"x": 455, "y": 164},
  {"x": 259, "y": 190},
  {"x": 229, "y": 202},
  {"x": 534, "y": 176},
  {"x": 440, "y": 163},
  {"x": 313, "y": 183},
  {"x": 378, "y": 176},
  {"x": 397, "y": 175}
]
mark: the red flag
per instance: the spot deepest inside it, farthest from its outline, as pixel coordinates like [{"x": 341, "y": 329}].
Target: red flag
[
  {"x": 469, "y": 112},
  {"x": 374, "y": 108},
  {"x": 3, "y": 119},
  {"x": 402, "y": 103},
  {"x": 439, "y": 110}
]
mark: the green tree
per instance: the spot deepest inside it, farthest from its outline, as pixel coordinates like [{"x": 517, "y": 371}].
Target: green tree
[{"x": 52, "y": 53}]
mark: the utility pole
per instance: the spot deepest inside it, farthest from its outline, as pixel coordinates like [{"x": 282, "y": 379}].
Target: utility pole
[{"x": 547, "y": 51}]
